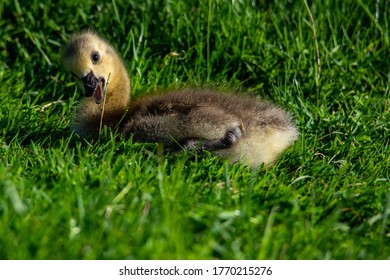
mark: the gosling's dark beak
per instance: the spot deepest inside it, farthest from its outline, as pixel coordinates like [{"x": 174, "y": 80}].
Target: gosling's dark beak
[{"x": 90, "y": 82}]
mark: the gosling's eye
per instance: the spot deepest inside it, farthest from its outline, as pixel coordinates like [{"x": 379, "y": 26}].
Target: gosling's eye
[{"x": 95, "y": 57}]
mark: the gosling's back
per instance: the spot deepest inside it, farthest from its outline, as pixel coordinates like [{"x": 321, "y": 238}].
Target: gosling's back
[{"x": 198, "y": 115}]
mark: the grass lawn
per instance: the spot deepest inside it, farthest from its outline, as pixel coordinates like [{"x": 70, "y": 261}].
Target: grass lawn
[{"x": 328, "y": 196}]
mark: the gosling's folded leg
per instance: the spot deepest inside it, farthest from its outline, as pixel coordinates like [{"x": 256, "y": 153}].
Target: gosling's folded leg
[{"x": 231, "y": 138}]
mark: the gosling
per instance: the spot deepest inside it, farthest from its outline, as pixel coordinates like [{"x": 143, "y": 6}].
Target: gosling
[{"x": 236, "y": 127}]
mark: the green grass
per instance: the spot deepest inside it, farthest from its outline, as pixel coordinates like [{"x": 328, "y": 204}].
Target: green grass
[{"x": 328, "y": 197}]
